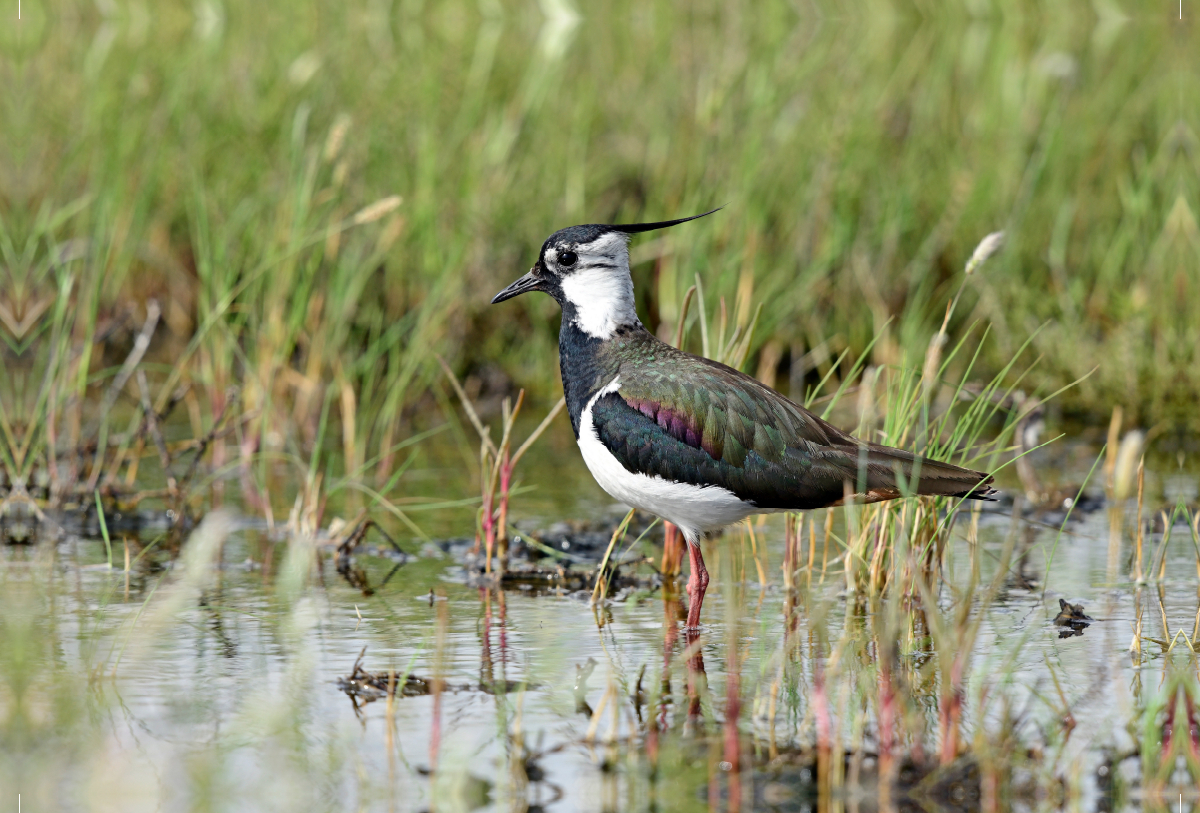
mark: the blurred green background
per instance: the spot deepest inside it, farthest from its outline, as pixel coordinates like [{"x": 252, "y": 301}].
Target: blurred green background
[
  {"x": 321, "y": 196},
  {"x": 213, "y": 156}
]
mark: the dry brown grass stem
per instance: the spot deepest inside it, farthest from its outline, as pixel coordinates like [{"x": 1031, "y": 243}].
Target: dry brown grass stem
[
  {"x": 758, "y": 565},
  {"x": 600, "y": 590},
  {"x": 1194, "y": 527},
  {"x": 987, "y": 247},
  {"x": 683, "y": 312},
  {"x": 825, "y": 544},
  {"x": 155, "y": 433},
  {"x": 537, "y": 433},
  {"x": 672, "y": 556},
  {"x": 594, "y": 722},
  {"x": 1162, "y": 547},
  {"x": 374, "y": 211},
  {"x": 793, "y": 530},
  {"x": 812, "y": 549},
  {"x": 140, "y": 345},
  {"x": 1135, "y": 646},
  {"x": 733, "y": 349},
  {"x": 1114, "y": 442},
  {"x": 468, "y": 407},
  {"x": 1141, "y": 482},
  {"x": 497, "y": 464},
  {"x": 232, "y": 396}
]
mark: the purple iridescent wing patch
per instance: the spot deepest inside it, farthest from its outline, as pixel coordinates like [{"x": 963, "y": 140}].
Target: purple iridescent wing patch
[{"x": 680, "y": 425}]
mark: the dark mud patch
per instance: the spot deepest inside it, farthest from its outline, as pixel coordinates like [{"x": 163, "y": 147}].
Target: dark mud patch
[
  {"x": 790, "y": 780},
  {"x": 366, "y": 687},
  {"x": 563, "y": 558}
]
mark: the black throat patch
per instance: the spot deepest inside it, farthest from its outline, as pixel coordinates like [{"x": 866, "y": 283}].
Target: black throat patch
[{"x": 582, "y": 364}]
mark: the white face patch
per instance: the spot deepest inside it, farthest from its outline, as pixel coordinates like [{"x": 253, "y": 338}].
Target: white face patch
[
  {"x": 599, "y": 286},
  {"x": 603, "y": 300}
]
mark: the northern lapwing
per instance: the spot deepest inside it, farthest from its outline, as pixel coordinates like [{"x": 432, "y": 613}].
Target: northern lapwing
[{"x": 690, "y": 440}]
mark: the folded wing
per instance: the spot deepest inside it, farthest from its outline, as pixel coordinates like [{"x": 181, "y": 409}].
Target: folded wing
[{"x": 699, "y": 422}]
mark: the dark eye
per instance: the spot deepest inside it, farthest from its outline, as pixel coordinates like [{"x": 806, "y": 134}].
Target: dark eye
[{"x": 567, "y": 258}]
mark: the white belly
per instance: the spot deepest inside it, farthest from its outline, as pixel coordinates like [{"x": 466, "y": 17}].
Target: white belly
[{"x": 695, "y": 509}]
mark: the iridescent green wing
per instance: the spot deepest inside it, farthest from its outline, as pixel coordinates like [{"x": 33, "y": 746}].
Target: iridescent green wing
[
  {"x": 692, "y": 420},
  {"x": 724, "y": 412}
]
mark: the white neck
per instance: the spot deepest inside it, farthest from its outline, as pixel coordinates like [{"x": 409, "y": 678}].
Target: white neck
[
  {"x": 600, "y": 289},
  {"x": 603, "y": 300}
]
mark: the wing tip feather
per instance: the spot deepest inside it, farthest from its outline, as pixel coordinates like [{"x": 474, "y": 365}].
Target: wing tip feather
[{"x": 983, "y": 491}]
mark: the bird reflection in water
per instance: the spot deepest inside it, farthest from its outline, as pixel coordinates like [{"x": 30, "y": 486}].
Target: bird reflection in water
[{"x": 1072, "y": 619}]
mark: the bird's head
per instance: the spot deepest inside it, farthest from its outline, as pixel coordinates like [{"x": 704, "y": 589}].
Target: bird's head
[{"x": 586, "y": 270}]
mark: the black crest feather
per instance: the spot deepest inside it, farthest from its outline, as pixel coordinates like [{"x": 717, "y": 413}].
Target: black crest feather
[{"x": 638, "y": 228}]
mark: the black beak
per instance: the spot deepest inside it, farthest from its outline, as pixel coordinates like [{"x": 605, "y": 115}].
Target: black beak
[{"x": 527, "y": 283}]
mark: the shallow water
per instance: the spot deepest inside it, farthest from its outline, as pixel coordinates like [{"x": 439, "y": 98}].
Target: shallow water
[{"x": 229, "y": 698}]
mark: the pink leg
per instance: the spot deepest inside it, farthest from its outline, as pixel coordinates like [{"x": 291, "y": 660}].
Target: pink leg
[{"x": 697, "y": 584}]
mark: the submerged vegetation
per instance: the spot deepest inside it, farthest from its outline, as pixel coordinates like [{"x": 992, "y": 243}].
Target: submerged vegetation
[{"x": 245, "y": 261}]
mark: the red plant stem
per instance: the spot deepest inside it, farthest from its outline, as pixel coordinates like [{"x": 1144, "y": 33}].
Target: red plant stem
[
  {"x": 1193, "y": 723},
  {"x": 502, "y": 524},
  {"x": 489, "y": 531},
  {"x": 791, "y": 623},
  {"x": 732, "y": 741},
  {"x": 1168, "y": 728},
  {"x": 788, "y": 563},
  {"x": 821, "y": 712},
  {"x": 887, "y": 716},
  {"x": 916, "y": 752},
  {"x": 820, "y": 702},
  {"x": 951, "y": 713},
  {"x": 989, "y": 801},
  {"x": 670, "y": 634},
  {"x": 652, "y": 743},
  {"x": 502, "y": 623},
  {"x": 948, "y": 721},
  {"x": 218, "y": 462},
  {"x": 485, "y": 595},
  {"x": 672, "y": 552}
]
